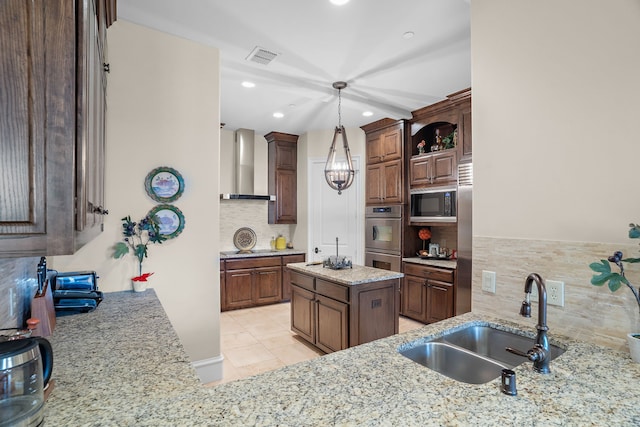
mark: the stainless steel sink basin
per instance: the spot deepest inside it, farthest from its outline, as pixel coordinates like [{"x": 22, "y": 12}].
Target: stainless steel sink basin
[
  {"x": 492, "y": 343},
  {"x": 475, "y": 355},
  {"x": 453, "y": 362}
]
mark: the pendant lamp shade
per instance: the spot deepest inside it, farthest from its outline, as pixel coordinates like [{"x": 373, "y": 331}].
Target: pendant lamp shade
[{"x": 338, "y": 171}]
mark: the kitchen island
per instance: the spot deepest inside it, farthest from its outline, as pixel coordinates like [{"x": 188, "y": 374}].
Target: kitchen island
[
  {"x": 338, "y": 309},
  {"x": 123, "y": 365}
]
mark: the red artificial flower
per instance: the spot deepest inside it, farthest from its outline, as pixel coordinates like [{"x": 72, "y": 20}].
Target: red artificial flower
[{"x": 142, "y": 277}]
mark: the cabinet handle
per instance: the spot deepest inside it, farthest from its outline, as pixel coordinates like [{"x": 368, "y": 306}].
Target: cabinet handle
[{"x": 100, "y": 210}]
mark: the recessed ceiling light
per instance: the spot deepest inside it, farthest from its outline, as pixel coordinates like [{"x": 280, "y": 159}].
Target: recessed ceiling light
[
  {"x": 367, "y": 114},
  {"x": 278, "y": 115},
  {"x": 408, "y": 35},
  {"x": 339, "y": 2},
  {"x": 248, "y": 84}
]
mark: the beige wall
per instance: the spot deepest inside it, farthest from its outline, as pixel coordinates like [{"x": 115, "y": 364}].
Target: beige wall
[
  {"x": 163, "y": 110},
  {"x": 555, "y": 112}
]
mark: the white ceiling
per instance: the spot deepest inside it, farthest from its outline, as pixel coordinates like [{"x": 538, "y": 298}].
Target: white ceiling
[{"x": 319, "y": 43}]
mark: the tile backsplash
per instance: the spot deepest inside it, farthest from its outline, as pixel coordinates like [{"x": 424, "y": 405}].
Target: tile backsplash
[
  {"x": 591, "y": 313},
  {"x": 17, "y": 284},
  {"x": 254, "y": 214}
]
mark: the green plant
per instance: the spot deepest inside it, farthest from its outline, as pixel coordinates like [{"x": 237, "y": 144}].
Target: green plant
[
  {"x": 137, "y": 237},
  {"x": 613, "y": 279}
]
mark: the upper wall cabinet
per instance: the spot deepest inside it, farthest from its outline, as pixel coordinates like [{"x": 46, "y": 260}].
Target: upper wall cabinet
[
  {"x": 440, "y": 139},
  {"x": 385, "y": 141},
  {"x": 443, "y": 126},
  {"x": 51, "y": 123},
  {"x": 283, "y": 165}
]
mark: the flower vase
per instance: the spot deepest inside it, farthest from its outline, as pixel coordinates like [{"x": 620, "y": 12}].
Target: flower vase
[
  {"x": 420, "y": 150},
  {"x": 634, "y": 346},
  {"x": 139, "y": 286}
]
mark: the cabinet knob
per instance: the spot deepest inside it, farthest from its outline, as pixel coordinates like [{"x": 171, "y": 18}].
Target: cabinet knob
[{"x": 106, "y": 67}]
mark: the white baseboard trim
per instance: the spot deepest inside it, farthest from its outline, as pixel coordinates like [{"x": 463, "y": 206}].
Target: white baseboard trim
[{"x": 209, "y": 370}]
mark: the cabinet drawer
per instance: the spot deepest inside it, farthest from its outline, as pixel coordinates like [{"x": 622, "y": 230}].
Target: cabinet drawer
[
  {"x": 332, "y": 290},
  {"x": 270, "y": 261},
  {"x": 434, "y": 273},
  {"x": 301, "y": 280}
]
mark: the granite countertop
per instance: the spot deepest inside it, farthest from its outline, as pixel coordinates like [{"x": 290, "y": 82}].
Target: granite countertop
[
  {"x": 260, "y": 253},
  {"x": 446, "y": 263},
  {"x": 123, "y": 365},
  {"x": 348, "y": 276}
]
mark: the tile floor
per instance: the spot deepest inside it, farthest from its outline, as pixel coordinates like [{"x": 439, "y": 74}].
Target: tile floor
[{"x": 259, "y": 339}]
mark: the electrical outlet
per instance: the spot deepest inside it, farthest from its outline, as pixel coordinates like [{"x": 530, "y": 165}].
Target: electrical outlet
[
  {"x": 489, "y": 281},
  {"x": 555, "y": 292}
]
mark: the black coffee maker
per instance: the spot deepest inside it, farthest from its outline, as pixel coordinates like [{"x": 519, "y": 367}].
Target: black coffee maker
[{"x": 25, "y": 370}]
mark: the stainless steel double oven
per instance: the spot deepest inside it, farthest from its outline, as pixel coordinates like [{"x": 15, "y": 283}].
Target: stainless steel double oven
[{"x": 383, "y": 242}]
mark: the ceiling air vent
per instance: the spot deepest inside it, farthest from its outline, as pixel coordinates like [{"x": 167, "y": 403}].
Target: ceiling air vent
[{"x": 261, "y": 56}]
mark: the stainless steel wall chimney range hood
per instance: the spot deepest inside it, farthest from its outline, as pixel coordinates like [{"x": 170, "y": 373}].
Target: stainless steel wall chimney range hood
[{"x": 244, "y": 168}]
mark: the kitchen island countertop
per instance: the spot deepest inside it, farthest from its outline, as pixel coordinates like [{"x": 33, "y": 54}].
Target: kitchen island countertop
[
  {"x": 123, "y": 365},
  {"x": 356, "y": 275}
]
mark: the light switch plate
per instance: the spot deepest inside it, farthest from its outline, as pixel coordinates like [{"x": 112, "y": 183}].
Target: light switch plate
[{"x": 489, "y": 281}]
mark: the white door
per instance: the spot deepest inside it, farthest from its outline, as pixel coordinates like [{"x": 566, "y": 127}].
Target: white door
[{"x": 332, "y": 215}]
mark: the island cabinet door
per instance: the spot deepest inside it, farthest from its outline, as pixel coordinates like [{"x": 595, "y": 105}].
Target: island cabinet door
[
  {"x": 238, "y": 288},
  {"x": 267, "y": 285},
  {"x": 439, "y": 301},
  {"x": 332, "y": 323},
  {"x": 414, "y": 298},
  {"x": 303, "y": 313}
]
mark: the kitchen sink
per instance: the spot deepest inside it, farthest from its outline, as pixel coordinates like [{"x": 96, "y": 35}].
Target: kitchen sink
[
  {"x": 492, "y": 343},
  {"x": 454, "y": 362},
  {"x": 475, "y": 355}
]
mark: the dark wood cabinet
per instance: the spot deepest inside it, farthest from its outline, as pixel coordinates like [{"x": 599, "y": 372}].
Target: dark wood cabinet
[
  {"x": 333, "y": 316},
  {"x": 384, "y": 180},
  {"x": 286, "y": 277},
  {"x": 427, "y": 292},
  {"x": 254, "y": 281},
  {"x": 53, "y": 112},
  {"x": 385, "y": 145},
  {"x": 435, "y": 169},
  {"x": 283, "y": 182}
]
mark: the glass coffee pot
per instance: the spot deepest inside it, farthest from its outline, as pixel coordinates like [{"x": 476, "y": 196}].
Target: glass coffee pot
[{"x": 25, "y": 369}]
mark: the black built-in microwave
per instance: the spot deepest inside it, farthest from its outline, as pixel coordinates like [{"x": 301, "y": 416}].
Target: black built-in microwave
[{"x": 433, "y": 205}]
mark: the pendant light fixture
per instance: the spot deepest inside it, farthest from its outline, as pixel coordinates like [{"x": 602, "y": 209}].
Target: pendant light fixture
[{"x": 339, "y": 173}]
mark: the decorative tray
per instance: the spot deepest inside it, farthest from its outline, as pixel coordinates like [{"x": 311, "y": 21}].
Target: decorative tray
[{"x": 244, "y": 239}]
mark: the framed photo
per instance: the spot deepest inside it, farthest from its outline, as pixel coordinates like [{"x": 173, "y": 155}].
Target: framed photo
[
  {"x": 170, "y": 220},
  {"x": 164, "y": 184}
]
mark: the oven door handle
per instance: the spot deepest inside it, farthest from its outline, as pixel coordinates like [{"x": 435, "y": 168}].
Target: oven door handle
[{"x": 375, "y": 232}]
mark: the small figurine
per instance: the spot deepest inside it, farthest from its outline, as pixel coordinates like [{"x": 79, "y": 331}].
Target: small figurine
[{"x": 421, "y": 145}]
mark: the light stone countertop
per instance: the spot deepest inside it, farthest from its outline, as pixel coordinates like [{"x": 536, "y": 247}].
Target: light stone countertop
[
  {"x": 356, "y": 275},
  {"x": 446, "y": 263},
  {"x": 122, "y": 365},
  {"x": 260, "y": 253}
]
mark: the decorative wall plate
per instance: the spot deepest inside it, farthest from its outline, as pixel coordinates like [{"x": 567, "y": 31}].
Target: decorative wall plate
[
  {"x": 164, "y": 184},
  {"x": 170, "y": 220},
  {"x": 244, "y": 239}
]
